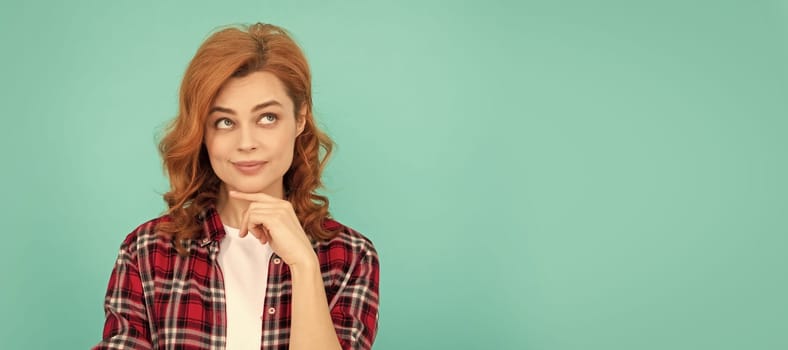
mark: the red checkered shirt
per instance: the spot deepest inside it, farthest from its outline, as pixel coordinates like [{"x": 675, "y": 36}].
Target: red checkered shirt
[{"x": 159, "y": 300}]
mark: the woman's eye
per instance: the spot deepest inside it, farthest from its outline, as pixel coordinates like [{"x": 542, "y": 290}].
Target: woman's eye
[
  {"x": 268, "y": 119},
  {"x": 224, "y": 123}
]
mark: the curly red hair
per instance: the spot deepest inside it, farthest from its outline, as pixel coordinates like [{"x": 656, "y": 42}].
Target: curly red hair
[{"x": 236, "y": 52}]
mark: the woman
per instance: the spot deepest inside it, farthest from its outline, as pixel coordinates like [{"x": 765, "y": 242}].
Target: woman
[{"x": 246, "y": 256}]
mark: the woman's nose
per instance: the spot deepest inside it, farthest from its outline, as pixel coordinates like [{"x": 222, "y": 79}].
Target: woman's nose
[{"x": 247, "y": 140}]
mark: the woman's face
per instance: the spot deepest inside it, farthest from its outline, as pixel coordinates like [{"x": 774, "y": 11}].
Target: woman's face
[{"x": 250, "y": 134}]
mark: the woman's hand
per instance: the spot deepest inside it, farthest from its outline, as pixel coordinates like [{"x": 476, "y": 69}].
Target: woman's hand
[{"x": 273, "y": 221}]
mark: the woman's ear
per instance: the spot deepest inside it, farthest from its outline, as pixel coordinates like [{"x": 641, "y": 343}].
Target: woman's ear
[{"x": 301, "y": 120}]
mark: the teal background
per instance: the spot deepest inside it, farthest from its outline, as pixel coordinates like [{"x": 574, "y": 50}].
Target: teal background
[{"x": 534, "y": 174}]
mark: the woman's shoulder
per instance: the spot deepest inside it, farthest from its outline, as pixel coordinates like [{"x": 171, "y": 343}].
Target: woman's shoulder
[
  {"x": 346, "y": 240},
  {"x": 145, "y": 235}
]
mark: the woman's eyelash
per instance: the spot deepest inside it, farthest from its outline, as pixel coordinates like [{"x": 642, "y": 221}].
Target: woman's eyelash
[
  {"x": 264, "y": 117},
  {"x": 223, "y": 123}
]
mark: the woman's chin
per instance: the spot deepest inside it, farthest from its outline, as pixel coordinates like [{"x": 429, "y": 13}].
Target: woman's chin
[{"x": 248, "y": 188}]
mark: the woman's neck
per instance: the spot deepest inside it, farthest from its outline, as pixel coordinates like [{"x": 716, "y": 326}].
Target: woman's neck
[{"x": 232, "y": 210}]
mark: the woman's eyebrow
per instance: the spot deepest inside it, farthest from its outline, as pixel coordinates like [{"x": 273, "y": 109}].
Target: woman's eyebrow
[{"x": 254, "y": 109}]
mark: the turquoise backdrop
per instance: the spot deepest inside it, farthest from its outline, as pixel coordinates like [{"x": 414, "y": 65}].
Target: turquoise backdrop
[{"x": 535, "y": 174}]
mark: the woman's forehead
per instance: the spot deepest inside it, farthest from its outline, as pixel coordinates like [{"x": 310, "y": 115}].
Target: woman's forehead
[{"x": 246, "y": 93}]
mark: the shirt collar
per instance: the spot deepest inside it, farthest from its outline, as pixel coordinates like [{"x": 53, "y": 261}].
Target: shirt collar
[{"x": 213, "y": 229}]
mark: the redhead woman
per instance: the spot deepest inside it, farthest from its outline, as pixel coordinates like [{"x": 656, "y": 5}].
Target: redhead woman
[{"x": 247, "y": 255}]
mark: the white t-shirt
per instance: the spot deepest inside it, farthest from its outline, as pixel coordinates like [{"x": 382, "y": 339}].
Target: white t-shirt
[{"x": 244, "y": 265}]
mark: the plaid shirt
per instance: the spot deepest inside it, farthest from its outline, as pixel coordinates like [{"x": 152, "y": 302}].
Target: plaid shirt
[{"x": 159, "y": 300}]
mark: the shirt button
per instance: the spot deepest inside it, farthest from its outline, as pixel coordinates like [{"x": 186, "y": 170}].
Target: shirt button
[
  {"x": 271, "y": 311},
  {"x": 277, "y": 261}
]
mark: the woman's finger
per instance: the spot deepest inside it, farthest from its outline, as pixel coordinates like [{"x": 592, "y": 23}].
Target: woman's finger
[
  {"x": 253, "y": 197},
  {"x": 261, "y": 233},
  {"x": 257, "y": 221},
  {"x": 244, "y": 223}
]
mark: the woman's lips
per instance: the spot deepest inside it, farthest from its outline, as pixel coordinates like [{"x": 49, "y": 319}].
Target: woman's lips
[{"x": 249, "y": 167}]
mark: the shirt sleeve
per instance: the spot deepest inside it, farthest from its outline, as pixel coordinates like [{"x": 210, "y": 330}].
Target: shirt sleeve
[
  {"x": 355, "y": 313},
  {"x": 126, "y": 325}
]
